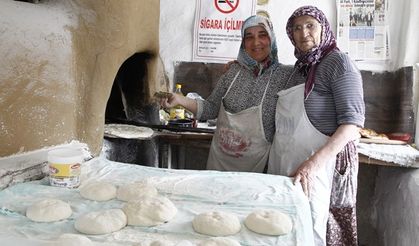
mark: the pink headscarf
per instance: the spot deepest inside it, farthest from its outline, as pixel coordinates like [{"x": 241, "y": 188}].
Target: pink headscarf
[{"x": 307, "y": 62}]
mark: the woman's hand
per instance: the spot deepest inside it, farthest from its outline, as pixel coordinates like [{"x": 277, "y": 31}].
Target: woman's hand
[
  {"x": 171, "y": 101},
  {"x": 306, "y": 174},
  {"x": 308, "y": 170}
]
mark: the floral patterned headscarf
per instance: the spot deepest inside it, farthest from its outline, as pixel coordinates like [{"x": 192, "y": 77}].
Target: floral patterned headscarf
[
  {"x": 244, "y": 59},
  {"x": 308, "y": 61}
]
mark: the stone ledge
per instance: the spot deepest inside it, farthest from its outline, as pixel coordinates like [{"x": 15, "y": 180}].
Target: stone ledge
[{"x": 11, "y": 177}]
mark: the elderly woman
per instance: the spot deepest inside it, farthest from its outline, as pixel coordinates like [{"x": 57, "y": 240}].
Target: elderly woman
[
  {"x": 317, "y": 121},
  {"x": 244, "y": 101}
]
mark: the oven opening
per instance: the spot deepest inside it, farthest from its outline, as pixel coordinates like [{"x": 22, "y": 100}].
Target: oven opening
[{"x": 130, "y": 101}]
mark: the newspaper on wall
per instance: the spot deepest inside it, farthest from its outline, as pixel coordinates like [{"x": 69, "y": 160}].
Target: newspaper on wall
[
  {"x": 362, "y": 30},
  {"x": 217, "y": 29}
]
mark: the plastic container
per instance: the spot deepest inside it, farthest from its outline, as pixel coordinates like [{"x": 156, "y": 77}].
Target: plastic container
[{"x": 65, "y": 167}]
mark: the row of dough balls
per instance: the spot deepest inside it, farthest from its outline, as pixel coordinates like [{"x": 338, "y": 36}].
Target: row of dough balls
[
  {"x": 146, "y": 208},
  {"x": 219, "y": 223},
  {"x": 156, "y": 210},
  {"x": 100, "y": 222},
  {"x": 103, "y": 191},
  {"x": 149, "y": 212}
]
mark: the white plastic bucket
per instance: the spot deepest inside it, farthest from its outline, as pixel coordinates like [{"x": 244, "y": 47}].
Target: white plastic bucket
[{"x": 65, "y": 167}]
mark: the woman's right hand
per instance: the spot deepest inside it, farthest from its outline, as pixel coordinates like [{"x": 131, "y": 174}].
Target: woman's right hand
[
  {"x": 228, "y": 65},
  {"x": 171, "y": 101}
]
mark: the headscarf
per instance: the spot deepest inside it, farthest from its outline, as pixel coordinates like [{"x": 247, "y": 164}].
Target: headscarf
[
  {"x": 307, "y": 62},
  {"x": 244, "y": 59}
]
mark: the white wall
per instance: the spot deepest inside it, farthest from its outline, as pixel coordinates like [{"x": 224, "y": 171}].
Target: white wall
[
  {"x": 177, "y": 19},
  {"x": 177, "y": 23}
]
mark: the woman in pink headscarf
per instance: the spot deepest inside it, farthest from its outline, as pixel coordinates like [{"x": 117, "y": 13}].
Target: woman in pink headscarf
[{"x": 317, "y": 122}]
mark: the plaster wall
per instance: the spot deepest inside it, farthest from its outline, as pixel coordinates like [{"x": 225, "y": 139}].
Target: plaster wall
[
  {"x": 59, "y": 61},
  {"x": 177, "y": 23}
]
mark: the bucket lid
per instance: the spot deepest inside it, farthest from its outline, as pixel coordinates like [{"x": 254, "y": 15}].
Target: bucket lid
[{"x": 65, "y": 155}]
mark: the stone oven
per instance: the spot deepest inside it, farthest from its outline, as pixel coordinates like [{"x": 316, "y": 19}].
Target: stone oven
[{"x": 61, "y": 62}]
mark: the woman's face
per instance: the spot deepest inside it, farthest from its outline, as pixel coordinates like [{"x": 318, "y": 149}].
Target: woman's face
[
  {"x": 307, "y": 33},
  {"x": 257, "y": 43}
]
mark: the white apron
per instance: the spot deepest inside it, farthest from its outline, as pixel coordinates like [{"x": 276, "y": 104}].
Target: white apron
[
  {"x": 239, "y": 143},
  {"x": 295, "y": 140}
]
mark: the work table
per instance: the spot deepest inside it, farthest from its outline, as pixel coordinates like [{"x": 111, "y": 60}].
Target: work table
[
  {"x": 188, "y": 148},
  {"x": 404, "y": 155}
]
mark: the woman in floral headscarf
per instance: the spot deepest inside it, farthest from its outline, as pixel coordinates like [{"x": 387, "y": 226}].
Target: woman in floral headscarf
[
  {"x": 317, "y": 121},
  {"x": 244, "y": 101}
]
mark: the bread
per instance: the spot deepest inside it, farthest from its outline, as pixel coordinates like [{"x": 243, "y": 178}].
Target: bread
[{"x": 371, "y": 134}]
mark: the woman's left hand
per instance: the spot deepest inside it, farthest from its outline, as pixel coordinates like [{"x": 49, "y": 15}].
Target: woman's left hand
[
  {"x": 307, "y": 171},
  {"x": 306, "y": 174}
]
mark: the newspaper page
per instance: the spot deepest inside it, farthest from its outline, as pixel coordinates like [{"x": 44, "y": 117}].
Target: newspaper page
[
  {"x": 217, "y": 29},
  {"x": 362, "y": 30}
]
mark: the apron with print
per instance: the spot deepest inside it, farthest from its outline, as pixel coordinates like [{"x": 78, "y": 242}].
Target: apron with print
[
  {"x": 239, "y": 143},
  {"x": 296, "y": 139},
  {"x": 342, "y": 225}
]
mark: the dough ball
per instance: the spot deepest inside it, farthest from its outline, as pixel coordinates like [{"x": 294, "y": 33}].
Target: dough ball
[
  {"x": 101, "y": 222},
  {"x": 69, "y": 239},
  {"x": 49, "y": 210},
  {"x": 98, "y": 191},
  {"x": 149, "y": 211},
  {"x": 219, "y": 241},
  {"x": 216, "y": 223},
  {"x": 134, "y": 191},
  {"x": 269, "y": 222}
]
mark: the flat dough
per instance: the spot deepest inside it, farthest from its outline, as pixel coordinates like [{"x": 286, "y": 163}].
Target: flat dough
[
  {"x": 49, "y": 210},
  {"x": 219, "y": 241},
  {"x": 98, "y": 191},
  {"x": 69, "y": 239},
  {"x": 135, "y": 191},
  {"x": 149, "y": 211},
  {"x": 216, "y": 223},
  {"x": 101, "y": 222},
  {"x": 269, "y": 222},
  {"x": 128, "y": 131}
]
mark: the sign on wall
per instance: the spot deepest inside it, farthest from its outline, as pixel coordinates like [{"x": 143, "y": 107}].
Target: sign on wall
[
  {"x": 362, "y": 29},
  {"x": 217, "y": 29}
]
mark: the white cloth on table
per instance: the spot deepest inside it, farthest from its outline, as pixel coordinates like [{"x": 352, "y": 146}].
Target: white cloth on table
[
  {"x": 404, "y": 155},
  {"x": 192, "y": 192}
]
